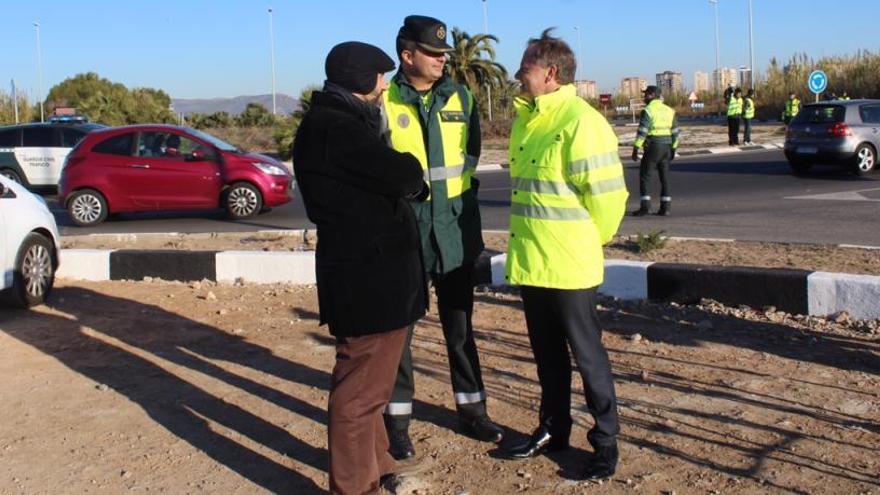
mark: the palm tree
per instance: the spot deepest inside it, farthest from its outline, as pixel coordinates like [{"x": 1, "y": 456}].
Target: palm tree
[{"x": 472, "y": 62}]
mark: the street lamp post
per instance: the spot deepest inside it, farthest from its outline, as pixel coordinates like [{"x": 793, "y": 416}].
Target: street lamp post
[
  {"x": 717, "y": 52},
  {"x": 751, "y": 49},
  {"x": 39, "y": 72},
  {"x": 488, "y": 83},
  {"x": 577, "y": 59},
  {"x": 272, "y": 53}
]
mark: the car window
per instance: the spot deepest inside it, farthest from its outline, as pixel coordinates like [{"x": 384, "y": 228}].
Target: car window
[
  {"x": 167, "y": 145},
  {"x": 870, "y": 114},
  {"x": 70, "y": 137},
  {"x": 116, "y": 145},
  {"x": 821, "y": 114},
  {"x": 38, "y": 137},
  {"x": 10, "y": 138}
]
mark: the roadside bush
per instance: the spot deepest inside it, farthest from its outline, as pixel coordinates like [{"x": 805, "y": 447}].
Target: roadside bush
[{"x": 651, "y": 241}]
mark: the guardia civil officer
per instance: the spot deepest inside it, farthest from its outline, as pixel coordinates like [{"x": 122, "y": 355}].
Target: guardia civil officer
[
  {"x": 436, "y": 119},
  {"x": 658, "y": 133}
]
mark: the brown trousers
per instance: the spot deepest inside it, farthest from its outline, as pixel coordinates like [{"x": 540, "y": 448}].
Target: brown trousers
[{"x": 363, "y": 379}]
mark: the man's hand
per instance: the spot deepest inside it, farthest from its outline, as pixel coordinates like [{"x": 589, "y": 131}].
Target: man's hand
[
  {"x": 672, "y": 155},
  {"x": 635, "y": 155}
]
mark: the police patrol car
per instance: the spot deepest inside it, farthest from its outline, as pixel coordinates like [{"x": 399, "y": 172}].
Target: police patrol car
[{"x": 33, "y": 154}]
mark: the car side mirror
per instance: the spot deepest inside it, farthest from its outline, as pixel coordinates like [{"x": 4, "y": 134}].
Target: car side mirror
[
  {"x": 197, "y": 156},
  {"x": 6, "y": 192}
]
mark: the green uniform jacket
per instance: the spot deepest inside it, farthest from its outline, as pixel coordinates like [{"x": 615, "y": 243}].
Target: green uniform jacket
[{"x": 449, "y": 221}]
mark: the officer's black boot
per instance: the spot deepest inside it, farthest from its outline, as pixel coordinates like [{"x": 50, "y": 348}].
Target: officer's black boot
[
  {"x": 665, "y": 206},
  {"x": 644, "y": 209},
  {"x": 401, "y": 447}
]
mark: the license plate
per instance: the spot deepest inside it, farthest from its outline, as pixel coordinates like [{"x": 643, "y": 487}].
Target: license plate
[{"x": 812, "y": 150}]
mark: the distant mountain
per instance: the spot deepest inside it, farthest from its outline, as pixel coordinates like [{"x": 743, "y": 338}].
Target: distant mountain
[{"x": 285, "y": 104}]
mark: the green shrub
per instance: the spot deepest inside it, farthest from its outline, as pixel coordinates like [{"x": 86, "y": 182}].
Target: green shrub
[{"x": 651, "y": 241}]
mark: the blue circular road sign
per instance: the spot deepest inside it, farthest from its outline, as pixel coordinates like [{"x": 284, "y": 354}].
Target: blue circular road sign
[{"x": 818, "y": 81}]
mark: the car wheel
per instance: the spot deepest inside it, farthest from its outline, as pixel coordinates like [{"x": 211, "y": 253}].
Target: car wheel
[
  {"x": 865, "y": 159},
  {"x": 87, "y": 207},
  {"x": 34, "y": 272},
  {"x": 11, "y": 175},
  {"x": 799, "y": 167},
  {"x": 242, "y": 200}
]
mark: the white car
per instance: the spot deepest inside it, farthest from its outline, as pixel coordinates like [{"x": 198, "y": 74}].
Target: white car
[
  {"x": 33, "y": 154},
  {"x": 29, "y": 246}
]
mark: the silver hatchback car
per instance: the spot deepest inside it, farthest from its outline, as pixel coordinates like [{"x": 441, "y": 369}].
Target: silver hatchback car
[{"x": 838, "y": 132}]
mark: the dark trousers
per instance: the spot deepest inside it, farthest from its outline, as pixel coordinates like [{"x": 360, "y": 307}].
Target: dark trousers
[
  {"x": 558, "y": 320},
  {"x": 747, "y": 130},
  {"x": 455, "y": 303},
  {"x": 732, "y": 130},
  {"x": 657, "y": 156},
  {"x": 361, "y": 386}
]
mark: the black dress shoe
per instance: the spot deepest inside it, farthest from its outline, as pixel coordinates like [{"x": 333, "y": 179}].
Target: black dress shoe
[
  {"x": 482, "y": 428},
  {"x": 540, "y": 442},
  {"x": 401, "y": 447},
  {"x": 603, "y": 464}
]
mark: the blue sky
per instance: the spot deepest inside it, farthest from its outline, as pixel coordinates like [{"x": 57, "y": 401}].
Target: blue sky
[{"x": 220, "y": 48}]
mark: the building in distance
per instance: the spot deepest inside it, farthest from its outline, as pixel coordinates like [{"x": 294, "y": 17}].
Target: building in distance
[
  {"x": 701, "y": 82},
  {"x": 670, "y": 82},
  {"x": 633, "y": 87},
  {"x": 587, "y": 89},
  {"x": 725, "y": 77}
]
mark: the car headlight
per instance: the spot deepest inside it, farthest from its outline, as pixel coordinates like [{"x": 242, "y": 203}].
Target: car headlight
[{"x": 270, "y": 169}]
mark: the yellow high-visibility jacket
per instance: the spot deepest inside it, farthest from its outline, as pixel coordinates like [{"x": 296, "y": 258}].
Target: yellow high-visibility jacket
[{"x": 568, "y": 193}]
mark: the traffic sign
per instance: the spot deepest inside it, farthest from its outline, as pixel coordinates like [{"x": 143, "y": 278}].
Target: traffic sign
[
  {"x": 818, "y": 81},
  {"x": 605, "y": 98}
]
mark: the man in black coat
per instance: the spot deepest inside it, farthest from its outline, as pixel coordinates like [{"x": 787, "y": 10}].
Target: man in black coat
[{"x": 371, "y": 284}]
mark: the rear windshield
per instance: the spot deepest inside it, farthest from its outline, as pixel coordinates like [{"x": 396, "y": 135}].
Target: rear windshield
[{"x": 820, "y": 114}]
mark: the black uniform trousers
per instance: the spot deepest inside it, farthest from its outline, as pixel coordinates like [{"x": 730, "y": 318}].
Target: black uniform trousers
[
  {"x": 558, "y": 319},
  {"x": 747, "y": 130},
  {"x": 455, "y": 304},
  {"x": 657, "y": 155},
  {"x": 732, "y": 130}
]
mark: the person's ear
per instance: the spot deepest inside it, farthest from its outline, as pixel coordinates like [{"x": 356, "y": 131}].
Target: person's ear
[
  {"x": 406, "y": 56},
  {"x": 551, "y": 73}
]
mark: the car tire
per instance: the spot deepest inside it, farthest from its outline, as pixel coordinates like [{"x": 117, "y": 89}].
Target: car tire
[
  {"x": 34, "y": 274},
  {"x": 799, "y": 167},
  {"x": 87, "y": 207},
  {"x": 865, "y": 159},
  {"x": 11, "y": 175},
  {"x": 242, "y": 200}
]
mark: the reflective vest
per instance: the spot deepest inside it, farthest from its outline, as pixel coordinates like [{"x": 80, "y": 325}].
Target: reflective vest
[
  {"x": 437, "y": 134},
  {"x": 568, "y": 193},
  {"x": 749, "y": 108},
  {"x": 735, "y": 107},
  {"x": 792, "y": 107},
  {"x": 657, "y": 123}
]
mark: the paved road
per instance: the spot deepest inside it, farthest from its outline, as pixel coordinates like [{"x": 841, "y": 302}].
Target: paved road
[{"x": 744, "y": 196}]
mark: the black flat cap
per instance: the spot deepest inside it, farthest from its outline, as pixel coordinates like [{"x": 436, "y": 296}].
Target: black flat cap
[
  {"x": 652, "y": 90},
  {"x": 427, "y": 32},
  {"x": 354, "y": 66}
]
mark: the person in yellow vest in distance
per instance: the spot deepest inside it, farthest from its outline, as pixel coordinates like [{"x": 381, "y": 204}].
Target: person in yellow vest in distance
[
  {"x": 734, "y": 114},
  {"x": 792, "y": 107},
  {"x": 435, "y": 119},
  {"x": 658, "y": 133},
  {"x": 844, "y": 96},
  {"x": 748, "y": 115},
  {"x": 568, "y": 198}
]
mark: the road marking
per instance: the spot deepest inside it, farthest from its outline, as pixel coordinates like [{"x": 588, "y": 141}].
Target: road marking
[{"x": 840, "y": 196}]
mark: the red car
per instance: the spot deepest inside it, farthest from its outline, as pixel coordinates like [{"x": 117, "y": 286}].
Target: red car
[{"x": 167, "y": 168}]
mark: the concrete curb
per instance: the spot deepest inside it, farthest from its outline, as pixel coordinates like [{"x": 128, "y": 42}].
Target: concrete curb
[
  {"x": 691, "y": 152},
  {"x": 793, "y": 291}
]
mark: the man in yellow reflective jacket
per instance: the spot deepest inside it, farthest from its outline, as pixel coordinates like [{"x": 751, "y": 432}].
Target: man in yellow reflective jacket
[
  {"x": 734, "y": 114},
  {"x": 658, "y": 134},
  {"x": 567, "y": 200}
]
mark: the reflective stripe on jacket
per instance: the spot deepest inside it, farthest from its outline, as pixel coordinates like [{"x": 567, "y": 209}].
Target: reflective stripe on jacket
[
  {"x": 659, "y": 124},
  {"x": 445, "y": 138},
  {"x": 748, "y": 108},
  {"x": 568, "y": 192},
  {"x": 735, "y": 107}
]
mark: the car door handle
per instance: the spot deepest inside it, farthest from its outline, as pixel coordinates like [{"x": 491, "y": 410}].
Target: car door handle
[{"x": 138, "y": 166}]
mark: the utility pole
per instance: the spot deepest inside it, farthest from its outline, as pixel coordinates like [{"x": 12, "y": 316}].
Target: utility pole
[
  {"x": 272, "y": 52},
  {"x": 15, "y": 101},
  {"x": 40, "y": 72},
  {"x": 717, "y": 53},
  {"x": 577, "y": 59},
  {"x": 488, "y": 83}
]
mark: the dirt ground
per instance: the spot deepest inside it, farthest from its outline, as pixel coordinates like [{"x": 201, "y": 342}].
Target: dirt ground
[
  {"x": 759, "y": 254},
  {"x": 164, "y": 387}
]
